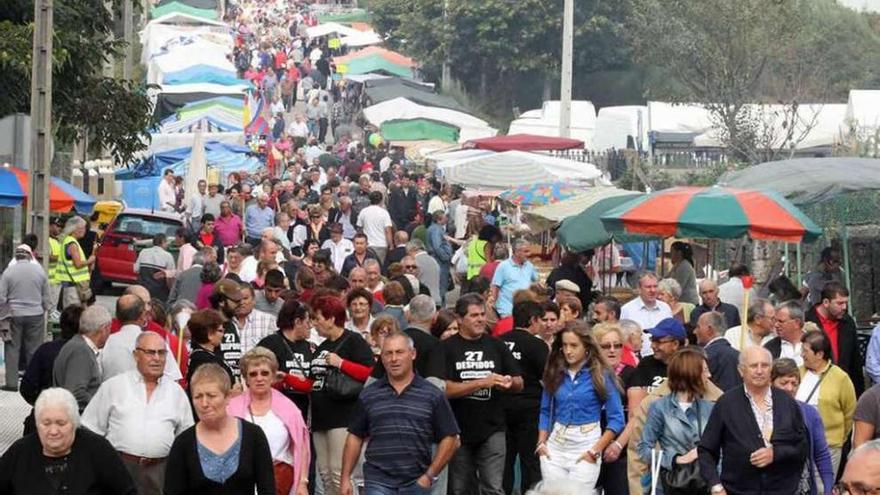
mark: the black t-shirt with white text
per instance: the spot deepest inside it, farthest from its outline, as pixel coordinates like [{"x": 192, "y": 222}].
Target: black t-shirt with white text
[
  {"x": 230, "y": 347},
  {"x": 481, "y": 413},
  {"x": 330, "y": 413},
  {"x": 429, "y": 356},
  {"x": 531, "y": 353},
  {"x": 295, "y": 358},
  {"x": 650, "y": 374}
]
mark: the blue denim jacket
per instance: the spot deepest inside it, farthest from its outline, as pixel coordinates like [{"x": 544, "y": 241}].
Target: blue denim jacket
[
  {"x": 576, "y": 403},
  {"x": 674, "y": 429}
]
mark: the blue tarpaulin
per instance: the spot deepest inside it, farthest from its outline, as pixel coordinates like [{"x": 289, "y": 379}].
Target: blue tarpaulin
[{"x": 203, "y": 74}]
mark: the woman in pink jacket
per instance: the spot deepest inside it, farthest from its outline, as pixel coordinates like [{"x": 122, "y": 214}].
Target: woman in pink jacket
[{"x": 279, "y": 418}]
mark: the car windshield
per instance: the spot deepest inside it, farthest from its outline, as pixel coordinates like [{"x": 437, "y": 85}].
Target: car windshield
[{"x": 144, "y": 227}]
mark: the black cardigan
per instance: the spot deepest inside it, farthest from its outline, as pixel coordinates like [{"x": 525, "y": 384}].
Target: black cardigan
[
  {"x": 732, "y": 434},
  {"x": 94, "y": 468},
  {"x": 184, "y": 475}
]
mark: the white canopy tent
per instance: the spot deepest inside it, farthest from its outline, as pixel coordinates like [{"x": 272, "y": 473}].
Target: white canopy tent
[
  {"x": 401, "y": 108},
  {"x": 198, "y": 53},
  {"x": 518, "y": 168},
  {"x": 362, "y": 38},
  {"x": 863, "y": 110},
  {"x": 615, "y": 125},
  {"x": 157, "y": 37},
  {"x": 329, "y": 28},
  {"x": 545, "y": 121}
]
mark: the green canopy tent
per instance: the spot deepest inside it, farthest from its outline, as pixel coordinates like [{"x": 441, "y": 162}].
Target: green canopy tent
[
  {"x": 356, "y": 15},
  {"x": 372, "y": 64},
  {"x": 419, "y": 130},
  {"x": 586, "y": 230},
  {"x": 182, "y": 8}
]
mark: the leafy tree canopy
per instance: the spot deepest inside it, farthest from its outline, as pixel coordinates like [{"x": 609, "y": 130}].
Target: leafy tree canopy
[{"x": 114, "y": 113}]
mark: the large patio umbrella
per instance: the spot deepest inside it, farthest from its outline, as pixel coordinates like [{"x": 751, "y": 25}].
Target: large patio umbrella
[
  {"x": 713, "y": 213},
  {"x": 540, "y": 193},
  {"x": 63, "y": 197}
]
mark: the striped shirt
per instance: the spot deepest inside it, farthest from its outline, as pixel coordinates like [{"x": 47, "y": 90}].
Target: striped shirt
[
  {"x": 401, "y": 429},
  {"x": 257, "y": 326}
]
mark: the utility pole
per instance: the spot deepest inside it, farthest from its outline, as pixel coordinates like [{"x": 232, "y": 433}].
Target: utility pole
[
  {"x": 37, "y": 210},
  {"x": 128, "y": 34},
  {"x": 565, "y": 90},
  {"x": 446, "y": 71}
]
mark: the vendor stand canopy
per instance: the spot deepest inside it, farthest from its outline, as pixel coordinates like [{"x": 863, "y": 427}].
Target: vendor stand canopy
[
  {"x": 546, "y": 217},
  {"x": 713, "y": 213},
  {"x": 809, "y": 180},
  {"x": 179, "y": 7},
  {"x": 389, "y": 55},
  {"x": 401, "y": 108},
  {"x": 63, "y": 197},
  {"x": 330, "y": 28},
  {"x": 518, "y": 168},
  {"x": 397, "y": 87},
  {"x": 376, "y": 64},
  {"x": 418, "y": 130},
  {"x": 524, "y": 142},
  {"x": 586, "y": 229},
  {"x": 539, "y": 194}
]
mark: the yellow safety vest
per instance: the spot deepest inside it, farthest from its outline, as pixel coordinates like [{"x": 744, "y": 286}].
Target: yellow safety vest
[
  {"x": 68, "y": 272},
  {"x": 54, "y": 266},
  {"x": 476, "y": 256}
]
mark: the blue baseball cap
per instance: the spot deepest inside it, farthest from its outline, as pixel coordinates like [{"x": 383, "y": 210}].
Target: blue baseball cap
[{"x": 668, "y": 327}]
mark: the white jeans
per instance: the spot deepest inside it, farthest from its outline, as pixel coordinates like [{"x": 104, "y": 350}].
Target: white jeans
[{"x": 565, "y": 446}]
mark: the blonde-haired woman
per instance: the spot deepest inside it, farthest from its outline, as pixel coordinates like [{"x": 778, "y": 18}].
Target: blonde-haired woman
[
  {"x": 578, "y": 386},
  {"x": 279, "y": 419}
]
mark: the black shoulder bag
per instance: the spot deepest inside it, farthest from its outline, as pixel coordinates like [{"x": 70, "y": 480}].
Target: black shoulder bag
[
  {"x": 685, "y": 479},
  {"x": 338, "y": 385}
]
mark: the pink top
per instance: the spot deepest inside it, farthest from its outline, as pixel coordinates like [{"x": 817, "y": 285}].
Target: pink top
[
  {"x": 292, "y": 419},
  {"x": 202, "y": 301},
  {"x": 228, "y": 229}
]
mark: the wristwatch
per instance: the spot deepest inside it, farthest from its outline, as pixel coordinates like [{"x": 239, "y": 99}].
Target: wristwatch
[
  {"x": 719, "y": 488},
  {"x": 433, "y": 479}
]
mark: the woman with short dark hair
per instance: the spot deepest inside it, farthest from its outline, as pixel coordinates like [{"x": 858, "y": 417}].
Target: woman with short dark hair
[
  {"x": 676, "y": 421},
  {"x": 206, "y": 333}
]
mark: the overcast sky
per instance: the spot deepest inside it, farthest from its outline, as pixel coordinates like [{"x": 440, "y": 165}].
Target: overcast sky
[{"x": 871, "y": 5}]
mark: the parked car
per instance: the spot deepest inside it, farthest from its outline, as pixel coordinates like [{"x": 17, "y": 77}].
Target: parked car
[{"x": 129, "y": 232}]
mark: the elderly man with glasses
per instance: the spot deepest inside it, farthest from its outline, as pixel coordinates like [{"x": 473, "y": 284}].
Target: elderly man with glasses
[{"x": 137, "y": 402}]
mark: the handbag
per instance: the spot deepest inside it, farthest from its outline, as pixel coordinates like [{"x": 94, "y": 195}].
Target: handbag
[
  {"x": 338, "y": 385},
  {"x": 685, "y": 479}
]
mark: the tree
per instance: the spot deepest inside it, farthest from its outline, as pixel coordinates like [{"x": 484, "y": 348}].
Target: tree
[
  {"x": 494, "y": 46},
  {"x": 115, "y": 114},
  {"x": 730, "y": 56}
]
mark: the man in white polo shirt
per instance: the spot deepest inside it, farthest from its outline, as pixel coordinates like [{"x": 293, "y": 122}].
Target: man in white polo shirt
[{"x": 646, "y": 309}]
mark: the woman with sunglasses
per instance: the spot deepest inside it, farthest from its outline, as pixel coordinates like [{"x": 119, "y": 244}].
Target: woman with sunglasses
[
  {"x": 612, "y": 476},
  {"x": 278, "y": 417}
]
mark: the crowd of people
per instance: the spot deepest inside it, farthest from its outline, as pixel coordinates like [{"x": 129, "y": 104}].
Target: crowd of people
[
  {"x": 272, "y": 356},
  {"x": 337, "y": 323}
]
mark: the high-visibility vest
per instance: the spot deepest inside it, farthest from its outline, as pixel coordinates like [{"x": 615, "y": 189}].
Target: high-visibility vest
[
  {"x": 67, "y": 271},
  {"x": 476, "y": 256},
  {"x": 54, "y": 266}
]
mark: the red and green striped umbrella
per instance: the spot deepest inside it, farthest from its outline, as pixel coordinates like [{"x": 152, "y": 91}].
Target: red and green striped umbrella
[{"x": 713, "y": 213}]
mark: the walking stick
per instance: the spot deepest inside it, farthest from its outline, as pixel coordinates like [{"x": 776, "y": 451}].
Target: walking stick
[{"x": 747, "y": 286}]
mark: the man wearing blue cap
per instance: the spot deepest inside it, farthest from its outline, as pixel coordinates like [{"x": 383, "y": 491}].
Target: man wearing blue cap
[{"x": 666, "y": 338}]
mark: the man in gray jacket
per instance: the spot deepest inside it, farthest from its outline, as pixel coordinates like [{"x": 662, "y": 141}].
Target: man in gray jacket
[
  {"x": 188, "y": 282},
  {"x": 77, "y": 367},
  {"x": 24, "y": 300}
]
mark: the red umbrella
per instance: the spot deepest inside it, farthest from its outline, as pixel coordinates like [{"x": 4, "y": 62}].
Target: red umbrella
[{"x": 524, "y": 142}]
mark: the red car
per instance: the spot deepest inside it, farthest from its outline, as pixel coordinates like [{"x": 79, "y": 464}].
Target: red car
[{"x": 128, "y": 233}]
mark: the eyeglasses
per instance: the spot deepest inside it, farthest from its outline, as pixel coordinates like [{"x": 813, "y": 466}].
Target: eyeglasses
[
  {"x": 153, "y": 352},
  {"x": 410, "y": 267},
  {"x": 663, "y": 340},
  {"x": 256, "y": 373},
  {"x": 844, "y": 489},
  {"x": 618, "y": 346}
]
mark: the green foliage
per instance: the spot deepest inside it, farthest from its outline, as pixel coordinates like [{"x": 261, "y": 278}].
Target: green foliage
[
  {"x": 495, "y": 47},
  {"x": 726, "y": 55},
  {"x": 115, "y": 114}
]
